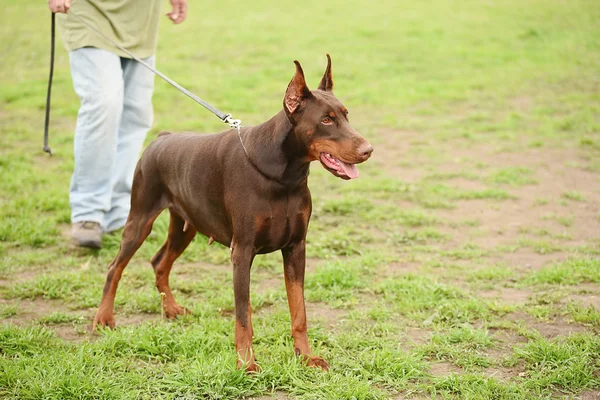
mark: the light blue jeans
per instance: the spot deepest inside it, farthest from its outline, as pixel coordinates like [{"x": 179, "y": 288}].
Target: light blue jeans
[{"x": 113, "y": 120}]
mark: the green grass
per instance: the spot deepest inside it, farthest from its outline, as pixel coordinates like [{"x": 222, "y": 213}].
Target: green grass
[
  {"x": 561, "y": 363},
  {"x": 477, "y": 386},
  {"x": 513, "y": 176},
  {"x": 466, "y": 252},
  {"x": 8, "y": 310},
  {"x": 482, "y": 115},
  {"x": 584, "y": 314},
  {"x": 61, "y": 318},
  {"x": 412, "y": 237},
  {"x": 492, "y": 274},
  {"x": 540, "y": 246},
  {"x": 564, "y": 220},
  {"x": 573, "y": 195},
  {"x": 570, "y": 272},
  {"x": 462, "y": 346}
]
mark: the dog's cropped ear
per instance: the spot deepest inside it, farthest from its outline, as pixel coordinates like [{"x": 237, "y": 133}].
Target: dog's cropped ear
[
  {"x": 327, "y": 80},
  {"x": 297, "y": 92}
]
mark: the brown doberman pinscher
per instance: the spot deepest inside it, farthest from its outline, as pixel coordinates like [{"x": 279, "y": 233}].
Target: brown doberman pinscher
[{"x": 248, "y": 191}]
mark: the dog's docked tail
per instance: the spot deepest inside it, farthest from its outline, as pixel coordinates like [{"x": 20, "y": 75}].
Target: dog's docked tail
[{"x": 164, "y": 133}]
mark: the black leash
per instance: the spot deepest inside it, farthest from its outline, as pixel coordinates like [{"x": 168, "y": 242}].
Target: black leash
[
  {"x": 47, "y": 123},
  {"x": 227, "y": 118}
]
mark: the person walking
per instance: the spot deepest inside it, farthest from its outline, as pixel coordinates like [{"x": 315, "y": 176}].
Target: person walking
[{"x": 116, "y": 104}]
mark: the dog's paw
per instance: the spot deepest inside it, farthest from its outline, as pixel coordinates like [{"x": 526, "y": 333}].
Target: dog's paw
[
  {"x": 317, "y": 362},
  {"x": 251, "y": 367},
  {"x": 172, "y": 311},
  {"x": 103, "y": 320}
]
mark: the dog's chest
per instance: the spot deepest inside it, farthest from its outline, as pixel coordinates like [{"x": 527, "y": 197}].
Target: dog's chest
[{"x": 285, "y": 223}]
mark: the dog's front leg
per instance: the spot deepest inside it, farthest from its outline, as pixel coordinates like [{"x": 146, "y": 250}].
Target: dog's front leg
[
  {"x": 241, "y": 257},
  {"x": 294, "y": 262}
]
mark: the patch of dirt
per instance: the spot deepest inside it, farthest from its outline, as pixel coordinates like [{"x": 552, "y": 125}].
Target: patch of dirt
[
  {"x": 586, "y": 300},
  {"x": 508, "y": 296},
  {"x": 549, "y": 329},
  {"x": 417, "y": 336},
  {"x": 412, "y": 397},
  {"x": 273, "y": 396},
  {"x": 21, "y": 276},
  {"x": 526, "y": 259},
  {"x": 439, "y": 369},
  {"x": 71, "y": 333},
  {"x": 397, "y": 158},
  {"x": 32, "y": 310},
  {"x": 588, "y": 288},
  {"x": 502, "y": 348},
  {"x": 589, "y": 395},
  {"x": 540, "y": 212},
  {"x": 328, "y": 317},
  {"x": 558, "y": 327},
  {"x": 507, "y": 338},
  {"x": 136, "y": 319},
  {"x": 267, "y": 285},
  {"x": 196, "y": 269},
  {"x": 401, "y": 268},
  {"x": 466, "y": 184},
  {"x": 29, "y": 312},
  {"x": 501, "y": 373},
  {"x": 552, "y": 169}
]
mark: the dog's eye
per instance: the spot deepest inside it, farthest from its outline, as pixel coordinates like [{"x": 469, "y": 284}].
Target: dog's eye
[{"x": 326, "y": 121}]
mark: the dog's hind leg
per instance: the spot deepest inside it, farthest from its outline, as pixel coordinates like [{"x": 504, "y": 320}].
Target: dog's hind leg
[
  {"x": 177, "y": 241},
  {"x": 145, "y": 206}
]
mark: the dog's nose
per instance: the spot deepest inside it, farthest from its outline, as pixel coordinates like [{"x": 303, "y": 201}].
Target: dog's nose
[{"x": 365, "y": 150}]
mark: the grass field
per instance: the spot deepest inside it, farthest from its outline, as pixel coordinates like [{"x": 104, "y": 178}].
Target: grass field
[{"x": 463, "y": 264}]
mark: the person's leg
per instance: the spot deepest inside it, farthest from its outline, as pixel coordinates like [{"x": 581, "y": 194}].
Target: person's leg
[
  {"x": 98, "y": 81},
  {"x": 136, "y": 120}
]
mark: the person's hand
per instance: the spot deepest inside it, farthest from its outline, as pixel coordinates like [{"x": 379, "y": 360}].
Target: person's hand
[
  {"x": 60, "y": 6},
  {"x": 179, "y": 11}
]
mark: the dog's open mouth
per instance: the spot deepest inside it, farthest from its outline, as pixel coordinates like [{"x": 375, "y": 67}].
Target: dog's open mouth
[{"x": 338, "y": 167}]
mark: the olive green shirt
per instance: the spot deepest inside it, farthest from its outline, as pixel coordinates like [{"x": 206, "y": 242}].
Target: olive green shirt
[{"x": 133, "y": 24}]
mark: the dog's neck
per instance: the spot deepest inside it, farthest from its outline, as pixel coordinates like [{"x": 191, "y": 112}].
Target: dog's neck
[{"x": 276, "y": 152}]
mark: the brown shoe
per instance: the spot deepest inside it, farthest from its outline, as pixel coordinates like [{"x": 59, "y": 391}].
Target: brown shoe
[{"x": 87, "y": 234}]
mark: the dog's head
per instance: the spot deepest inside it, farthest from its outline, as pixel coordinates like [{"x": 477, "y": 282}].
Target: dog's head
[{"x": 320, "y": 121}]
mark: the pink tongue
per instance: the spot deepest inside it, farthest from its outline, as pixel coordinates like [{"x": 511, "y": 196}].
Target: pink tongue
[{"x": 349, "y": 169}]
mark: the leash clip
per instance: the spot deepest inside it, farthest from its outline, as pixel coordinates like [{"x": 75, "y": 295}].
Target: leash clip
[{"x": 234, "y": 123}]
